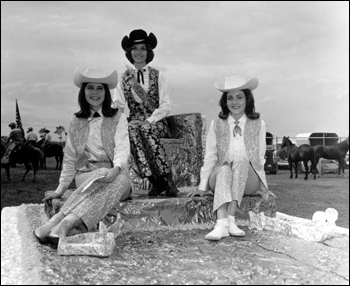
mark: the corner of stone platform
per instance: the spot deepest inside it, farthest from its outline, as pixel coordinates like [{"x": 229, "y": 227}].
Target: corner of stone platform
[{"x": 20, "y": 258}]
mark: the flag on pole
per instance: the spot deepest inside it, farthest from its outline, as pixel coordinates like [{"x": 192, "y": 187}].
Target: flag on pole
[{"x": 19, "y": 120}]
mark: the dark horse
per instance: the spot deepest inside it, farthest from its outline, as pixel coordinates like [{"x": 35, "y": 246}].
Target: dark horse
[
  {"x": 25, "y": 154},
  {"x": 302, "y": 153},
  {"x": 3, "y": 146},
  {"x": 51, "y": 149},
  {"x": 335, "y": 152}
]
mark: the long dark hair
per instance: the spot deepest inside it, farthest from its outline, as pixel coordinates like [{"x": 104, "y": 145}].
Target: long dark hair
[
  {"x": 249, "y": 109},
  {"x": 85, "y": 109},
  {"x": 150, "y": 54}
]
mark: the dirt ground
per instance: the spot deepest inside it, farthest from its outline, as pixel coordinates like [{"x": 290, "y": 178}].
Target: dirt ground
[{"x": 302, "y": 198}]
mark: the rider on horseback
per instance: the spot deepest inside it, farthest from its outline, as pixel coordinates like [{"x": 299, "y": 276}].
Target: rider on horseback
[
  {"x": 15, "y": 137},
  {"x": 44, "y": 134},
  {"x": 31, "y": 136}
]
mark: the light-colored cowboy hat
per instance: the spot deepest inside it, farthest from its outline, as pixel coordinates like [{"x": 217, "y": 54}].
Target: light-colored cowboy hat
[
  {"x": 97, "y": 76},
  {"x": 59, "y": 129},
  {"x": 236, "y": 82}
]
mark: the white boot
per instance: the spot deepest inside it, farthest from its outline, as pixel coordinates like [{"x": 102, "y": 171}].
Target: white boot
[
  {"x": 233, "y": 228},
  {"x": 220, "y": 230}
]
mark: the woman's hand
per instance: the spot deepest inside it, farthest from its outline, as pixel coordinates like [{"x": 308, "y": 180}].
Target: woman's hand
[
  {"x": 138, "y": 122},
  {"x": 111, "y": 175},
  {"x": 199, "y": 193},
  {"x": 52, "y": 196},
  {"x": 129, "y": 77}
]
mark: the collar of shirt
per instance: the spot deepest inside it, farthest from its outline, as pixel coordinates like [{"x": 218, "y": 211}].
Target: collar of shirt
[
  {"x": 91, "y": 117},
  {"x": 144, "y": 69},
  {"x": 242, "y": 120}
]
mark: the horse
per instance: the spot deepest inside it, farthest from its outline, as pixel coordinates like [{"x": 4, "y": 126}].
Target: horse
[
  {"x": 51, "y": 149},
  {"x": 334, "y": 152},
  {"x": 25, "y": 154},
  {"x": 3, "y": 146},
  {"x": 302, "y": 153}
]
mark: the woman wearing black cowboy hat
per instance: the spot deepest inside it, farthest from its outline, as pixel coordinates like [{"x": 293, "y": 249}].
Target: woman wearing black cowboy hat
[{"x": 144, "y": 89}]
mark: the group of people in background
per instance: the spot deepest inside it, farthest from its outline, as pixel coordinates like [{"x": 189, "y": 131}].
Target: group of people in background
[
  {"x": 17, "y": 136},
  {"x": 101, "y": 138},
  {"x": 43, "y": 134}
]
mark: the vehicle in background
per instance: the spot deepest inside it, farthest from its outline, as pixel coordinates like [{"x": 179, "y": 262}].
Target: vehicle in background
[{"x": 271, "y": 165}]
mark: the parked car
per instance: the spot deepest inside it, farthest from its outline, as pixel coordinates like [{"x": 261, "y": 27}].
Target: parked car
[{"x": 271, "y": 165}]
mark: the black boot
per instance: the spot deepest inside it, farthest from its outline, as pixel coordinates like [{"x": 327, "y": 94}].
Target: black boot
[
  {"x": 169, "y": 185},
  {"x": 156, "y": 187}
]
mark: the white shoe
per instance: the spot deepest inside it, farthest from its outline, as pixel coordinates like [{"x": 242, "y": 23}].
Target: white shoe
[
  {"x": 233, "y": 229},
  {"x": 219, "y": 232}
]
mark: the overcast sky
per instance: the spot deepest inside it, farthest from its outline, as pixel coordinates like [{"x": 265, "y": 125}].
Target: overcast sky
[{"x": 299, "y": 51}]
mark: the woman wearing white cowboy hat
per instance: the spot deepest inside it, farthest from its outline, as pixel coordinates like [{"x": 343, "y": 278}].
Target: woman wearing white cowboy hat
[
  {"x": 96, "y": 155},
  {"x": 235, "y": 155},
  {"x": 148, "y": 100}
]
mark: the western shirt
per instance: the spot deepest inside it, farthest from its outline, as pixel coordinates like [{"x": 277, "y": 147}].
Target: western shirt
[
  {"x": 164, "y": 98},
  {"x": 94, "y": 148},
  {"x": 237, "y": 148}
]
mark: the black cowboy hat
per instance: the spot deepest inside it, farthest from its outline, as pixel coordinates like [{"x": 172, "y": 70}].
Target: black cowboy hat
[
  {"x": 139, "y": 37},
  {"x": 44, "y": 130}
]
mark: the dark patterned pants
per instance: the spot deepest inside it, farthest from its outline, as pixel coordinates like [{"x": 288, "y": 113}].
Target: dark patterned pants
[{"x": 147, "y": 150}]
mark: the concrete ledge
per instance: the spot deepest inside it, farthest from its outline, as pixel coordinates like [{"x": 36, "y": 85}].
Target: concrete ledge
[
  {"x": 147, "y": 211},
  {"x": 262, "y": 257},
  {"x": 20, "y": 259}
]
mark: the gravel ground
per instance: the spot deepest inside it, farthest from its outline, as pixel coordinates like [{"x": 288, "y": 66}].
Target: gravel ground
[{"x": 178, "y": 256}]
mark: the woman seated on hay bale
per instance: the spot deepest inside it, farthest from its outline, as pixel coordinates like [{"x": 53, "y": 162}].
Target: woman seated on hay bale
[{"x": 97, "y": 150}]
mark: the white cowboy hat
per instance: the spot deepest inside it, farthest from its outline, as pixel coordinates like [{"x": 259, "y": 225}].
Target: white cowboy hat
[
  {"x": 97, "y": 76},
  {"x": 236, "y": 82}
]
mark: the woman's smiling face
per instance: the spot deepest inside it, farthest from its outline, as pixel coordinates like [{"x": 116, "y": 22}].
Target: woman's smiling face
[
  {"x": 139, "y": 53},
  {"x": 236, "y": 103},
  {"x": 95, "y": 95}
]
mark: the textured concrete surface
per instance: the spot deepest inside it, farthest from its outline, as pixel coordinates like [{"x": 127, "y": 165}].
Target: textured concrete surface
[
  {"x": 171, "y": 255},
  {"x": 20, "y": 257}
]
